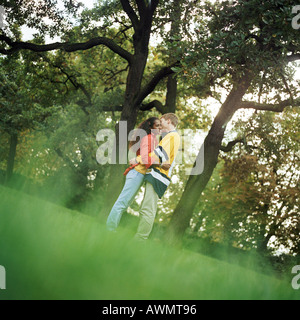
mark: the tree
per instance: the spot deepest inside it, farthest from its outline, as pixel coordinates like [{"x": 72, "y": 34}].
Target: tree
[
  {"x": 22, "y": 106},
  {"x": 247, "y": 42},
  {"x": 131, "y": 15},
  {"x": 251, "y": 202},
  {"x": 61, "y": 157},
  {"x": 140, "y": 15}
]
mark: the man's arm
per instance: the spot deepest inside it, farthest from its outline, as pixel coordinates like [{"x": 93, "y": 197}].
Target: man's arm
[{"x": 165, "y": 166}]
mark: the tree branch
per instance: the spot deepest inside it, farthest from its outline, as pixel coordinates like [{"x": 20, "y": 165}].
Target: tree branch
[
  {"x": 144, "y": 107},
  {"x": 68, "y": 47},
  {"x": 231, "y": 144},
  {"x": 131, "y": 14},
  {"x": 293, "y": 57},
  {"x": 113, "y": 108},
  {"x": 270, "y": 107},
  {"x": 286, "y": 85},
  {"x": 150, "y": 86},
  {"x": 153, "y": 5},
  {"x": 73, "y": 81},
  {"x": 153, "y": 104},
  {"x": 141, "y": 7}
]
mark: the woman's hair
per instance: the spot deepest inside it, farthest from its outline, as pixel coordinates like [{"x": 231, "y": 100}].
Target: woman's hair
[{"x": 142, "y": 130}]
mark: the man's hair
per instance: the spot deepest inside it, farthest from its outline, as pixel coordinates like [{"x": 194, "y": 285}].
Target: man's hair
[{"x": 172, "y": 117}]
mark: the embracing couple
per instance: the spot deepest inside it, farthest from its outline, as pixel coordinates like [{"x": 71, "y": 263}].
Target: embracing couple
[{"x": 153, "y": 165}]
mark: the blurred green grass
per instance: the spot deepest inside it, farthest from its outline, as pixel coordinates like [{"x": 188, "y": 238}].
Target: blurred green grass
[{"x": 50, "y": 252}]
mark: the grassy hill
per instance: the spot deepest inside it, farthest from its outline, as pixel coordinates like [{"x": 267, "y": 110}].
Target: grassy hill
[{"x": 50, "y": 252}]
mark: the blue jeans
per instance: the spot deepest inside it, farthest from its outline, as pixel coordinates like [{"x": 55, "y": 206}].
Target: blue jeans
[{"x": 133, "y": 182}]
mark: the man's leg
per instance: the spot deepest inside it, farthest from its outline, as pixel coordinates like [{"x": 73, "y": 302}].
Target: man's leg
[
  {"x": 133, "y": 182},
  {"x": 147, "y": 213}
]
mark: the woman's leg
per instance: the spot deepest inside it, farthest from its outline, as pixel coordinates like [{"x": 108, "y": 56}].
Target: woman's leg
[{"x": 133, "y": 182}]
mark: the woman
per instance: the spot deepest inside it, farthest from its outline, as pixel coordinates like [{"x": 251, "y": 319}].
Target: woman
[{"x": 144, "y": 142}]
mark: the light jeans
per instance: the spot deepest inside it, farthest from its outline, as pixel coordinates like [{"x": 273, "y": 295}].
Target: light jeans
[
  {"x": 147, "y": 213},
  {"x": 134, "y": 181}
]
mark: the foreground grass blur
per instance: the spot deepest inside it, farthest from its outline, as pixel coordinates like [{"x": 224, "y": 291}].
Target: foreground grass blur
[{"x": 50, "y": 252}]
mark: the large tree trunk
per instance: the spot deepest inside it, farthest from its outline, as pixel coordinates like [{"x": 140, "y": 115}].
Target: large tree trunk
[
  {"x": 196, "y": 183},
  {"x": 175, "y": 16},
  {"x": 130, "y": 110},
  {"x": 11, "y": 157},
  {"x": 171, "y": 94},
  {"x": 131, "y": 101}
]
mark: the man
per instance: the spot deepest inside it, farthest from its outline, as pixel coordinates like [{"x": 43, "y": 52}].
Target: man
[{"x": 158, "y": 175}]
